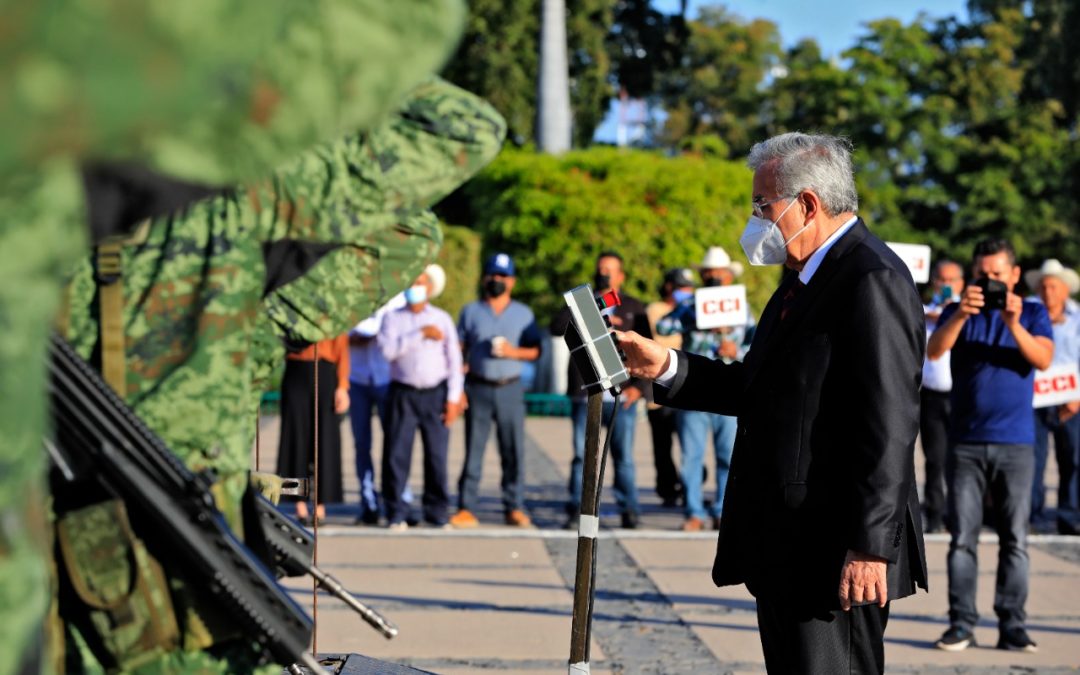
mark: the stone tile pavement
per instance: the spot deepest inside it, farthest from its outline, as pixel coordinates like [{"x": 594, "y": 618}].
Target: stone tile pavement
[{"x": 498, "y": 599}]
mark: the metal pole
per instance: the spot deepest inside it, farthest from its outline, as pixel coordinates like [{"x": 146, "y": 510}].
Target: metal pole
[{"x": 588, "y": 526}]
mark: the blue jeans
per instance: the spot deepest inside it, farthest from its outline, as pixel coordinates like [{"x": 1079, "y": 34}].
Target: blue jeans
[
  {"x": 1067, "y": 454},
  {"x": 505, "y": 406},
  {"x": 694, "y": 429},
  {"x": 1005, "y": 471},
  {"x": 622, "y": 455},
  {"x": 363, "y": 400}
]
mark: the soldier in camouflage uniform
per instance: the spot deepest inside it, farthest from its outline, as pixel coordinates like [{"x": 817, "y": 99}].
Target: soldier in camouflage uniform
[
  {"x": 213, "y": 295},
  {"x": 167, "y": 84}
]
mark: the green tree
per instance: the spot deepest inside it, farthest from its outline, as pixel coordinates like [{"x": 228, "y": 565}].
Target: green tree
[
  {"x": 499, "y": 59},
  {"x": 718, "y": 85},
  {"x": 555, "y": 214},
  {"x": 645, "y": 44}
]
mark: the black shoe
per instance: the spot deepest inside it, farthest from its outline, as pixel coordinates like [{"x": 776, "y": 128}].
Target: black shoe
[
  {"x": 572, "y": 522},
  {"x": 412, "y": 521},
  {"x": 1068, "y": 522},
  {"x": 629, "y": 521},
  {"x": 956, "y": 639},
  {"x": 1017, "y": 640},
  {"x": 368, "y": 517}
]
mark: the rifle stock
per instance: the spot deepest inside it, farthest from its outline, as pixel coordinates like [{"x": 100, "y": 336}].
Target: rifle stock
[{"x": 104, "y": 442}]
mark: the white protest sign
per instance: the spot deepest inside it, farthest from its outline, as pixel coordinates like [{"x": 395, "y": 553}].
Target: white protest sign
[
  {"x": 916, "y": 257},
  {"x": 720, "y": 306},
  {"x": 1057, "y": 385}
]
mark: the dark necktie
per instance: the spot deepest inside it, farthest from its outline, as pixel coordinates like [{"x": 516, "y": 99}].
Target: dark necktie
[{"x": 789, "y": 297}]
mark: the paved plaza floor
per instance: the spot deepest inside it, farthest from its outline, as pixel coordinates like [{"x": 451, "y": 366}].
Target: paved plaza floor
[{"x": 498, "y": 599}]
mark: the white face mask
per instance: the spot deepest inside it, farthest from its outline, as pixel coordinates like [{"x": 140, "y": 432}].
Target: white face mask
[
  {"x": 414, "y": 295},
  {"x": 763, "y": 242}
]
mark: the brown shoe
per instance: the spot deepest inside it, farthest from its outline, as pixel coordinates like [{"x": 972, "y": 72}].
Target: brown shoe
[
  {"x": 518, "y": 518},
  {"x": 693, "y": 524},
  {"x": 463, "y": 519}
]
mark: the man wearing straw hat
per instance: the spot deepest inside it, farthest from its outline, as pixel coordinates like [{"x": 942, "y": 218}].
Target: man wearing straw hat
[
  {"x": 1055, "y": 284},
  {"x": 694, "y": 427}
]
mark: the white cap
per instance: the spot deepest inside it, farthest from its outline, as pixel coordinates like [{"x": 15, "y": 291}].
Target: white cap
[
  {"x": 716, "y": 258},
  {"x": 437, "y": 275}
]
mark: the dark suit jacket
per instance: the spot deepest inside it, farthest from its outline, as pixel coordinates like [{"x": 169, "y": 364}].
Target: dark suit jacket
[{"x": 828, "y": 408}]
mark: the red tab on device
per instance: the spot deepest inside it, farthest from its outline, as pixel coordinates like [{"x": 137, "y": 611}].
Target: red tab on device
[{"x": 610, "y": 299}]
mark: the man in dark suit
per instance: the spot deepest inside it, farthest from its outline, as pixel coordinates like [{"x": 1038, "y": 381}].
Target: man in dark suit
[{"x": 821, "y": 516}]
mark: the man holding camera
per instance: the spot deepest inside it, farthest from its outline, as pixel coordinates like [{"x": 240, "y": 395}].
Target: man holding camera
[{"x": 997, "y": 342}]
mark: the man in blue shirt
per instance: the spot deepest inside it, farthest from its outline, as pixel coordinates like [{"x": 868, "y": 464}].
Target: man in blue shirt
[
  {"x": 994, "y": 357},
  {"x": 497, "y": 334}
]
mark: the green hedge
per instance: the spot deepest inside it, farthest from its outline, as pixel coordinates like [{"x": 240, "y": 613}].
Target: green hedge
[
  {"x": 460, "y": 257},
  {"x": 555, "y": 214}
]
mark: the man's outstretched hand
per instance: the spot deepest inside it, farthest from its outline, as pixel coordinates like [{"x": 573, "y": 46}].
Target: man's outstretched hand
[{"x": 644, "y": 357}]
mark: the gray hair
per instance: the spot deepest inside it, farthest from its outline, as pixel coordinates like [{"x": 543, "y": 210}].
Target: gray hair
[{"x": 810, "y": 162}]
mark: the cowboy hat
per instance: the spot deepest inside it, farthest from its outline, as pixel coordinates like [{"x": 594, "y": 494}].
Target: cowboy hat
[
  {"x": 716, "y": 258},
  {"x": 1053, "y": 268}
]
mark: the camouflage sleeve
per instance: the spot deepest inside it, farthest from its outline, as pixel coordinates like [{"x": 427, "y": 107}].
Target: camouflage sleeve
[
  {"x": 351, "y": 282},
  {"x": 440, "y": 138},
  {"x": 335, "y": 66},
  {"x": 40, "y": 228},
  {"x": 209, "y": 91}
]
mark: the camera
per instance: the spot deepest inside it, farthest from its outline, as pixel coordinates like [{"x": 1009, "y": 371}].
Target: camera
[{"x": 994, "y": 293}]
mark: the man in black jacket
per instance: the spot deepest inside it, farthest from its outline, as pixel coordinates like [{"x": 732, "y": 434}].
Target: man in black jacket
[
  {"x": 629, "y": 315},
  {"x": 821, "y": 518}
]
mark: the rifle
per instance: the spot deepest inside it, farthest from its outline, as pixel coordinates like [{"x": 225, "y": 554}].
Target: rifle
[
  {"x": 291, "y": 548},
  {"x": 100, "y": 440}
]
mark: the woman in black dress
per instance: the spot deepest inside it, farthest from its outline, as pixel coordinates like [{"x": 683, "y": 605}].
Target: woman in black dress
[{"x": 296, "y": 457}]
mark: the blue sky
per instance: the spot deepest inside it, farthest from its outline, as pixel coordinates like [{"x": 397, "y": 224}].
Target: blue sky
[{"x": 835, "y": 24}]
